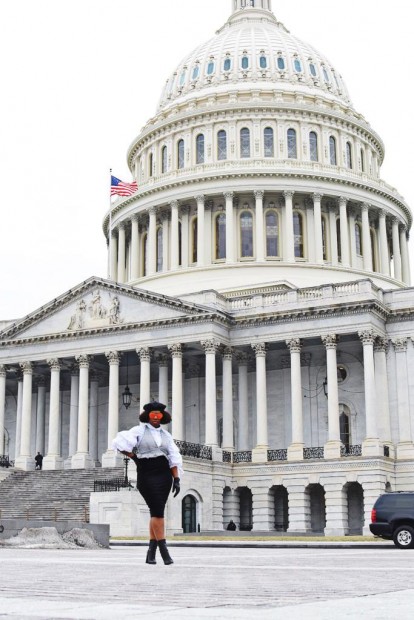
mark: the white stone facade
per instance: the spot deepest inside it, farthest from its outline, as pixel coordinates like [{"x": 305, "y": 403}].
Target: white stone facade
[{"x": 259, "y": 285}]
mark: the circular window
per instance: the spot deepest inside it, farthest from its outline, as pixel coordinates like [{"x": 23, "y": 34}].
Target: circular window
[{"x": 341, "y": 373}]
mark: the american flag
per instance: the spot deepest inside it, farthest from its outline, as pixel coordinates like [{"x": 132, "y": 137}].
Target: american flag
[{"x": 119, "y": 188}]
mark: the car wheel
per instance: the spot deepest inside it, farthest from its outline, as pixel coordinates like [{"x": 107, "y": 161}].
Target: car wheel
[{"x": 404, "y": 537}]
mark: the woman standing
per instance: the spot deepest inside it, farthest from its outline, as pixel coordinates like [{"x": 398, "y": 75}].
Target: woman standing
[{"x": 158, "y": 463}]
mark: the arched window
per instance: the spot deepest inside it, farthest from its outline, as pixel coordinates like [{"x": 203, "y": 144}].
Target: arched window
[
  {"x": 189, "y": 514},
  {"x": 272, "y": 234},
  {"x": 196, "y": 72},
  {"x": 245, "y": 142},
  {"x": 325, "y": 75},
  {"x": 312, "y": 70},
  {"x": 324, "y": 238},
  {"x": 338, "y": 239},
  {"x": 211, "y": 67},
  {"x": 151, "y": 165},
  {"x": 159, "y": 249},
  {"x": 344, "y": 428},
  {"x": 200, "y": 149},
  {"x": 313, "y": 146},
  {"x": 332, "y": 151},
  {"x": 164, "y": 159},
  {"x": 227, "y": 64},
  {"x": 245, "y": 62},
  {"x": 358, "y": 239},
  {"x": 221, "y": 145},
  {"x": 220, "y": 236},
  {"x": 348, "y": 155},
  {"x": 269, "y": 142},
  {"x": 263, "y": 62},
  {"x": 180, "y": 153},
  {"x": 298, "y": 234},
  {"x": 182, "y": 78},
  {"x": 281, "y": 63},
  {"x": 145, "y": 254},
  {"x": 292, "y": 144},
  {"x": 246, "y": 234},
  {"x": 194, "y": 240},
  {"x": 362, "y": 160},
  {"x": 298, "y": 65}
]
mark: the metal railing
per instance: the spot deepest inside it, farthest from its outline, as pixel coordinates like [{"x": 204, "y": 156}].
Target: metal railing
[
  {"x": 242, "y": 457},
  {"x": 313, "y": 453},
  {"x": 195, "y": 450},
  {"x": 5, "y": 461},
  {"x": 351, "y": 450},
  {"x": 108, "y": 485},
  {"x": 277, "y": 455}
]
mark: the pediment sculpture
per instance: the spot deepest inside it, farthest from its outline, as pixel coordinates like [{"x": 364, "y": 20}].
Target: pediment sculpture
[{"x": 95, "y": 313}]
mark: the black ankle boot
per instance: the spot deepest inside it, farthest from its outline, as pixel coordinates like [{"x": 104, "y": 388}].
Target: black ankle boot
[
  {"x": 151, "y": 552},
  {"x": 162, "y": 545}
]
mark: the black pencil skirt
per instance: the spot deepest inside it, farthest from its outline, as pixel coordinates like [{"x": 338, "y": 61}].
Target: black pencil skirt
[{"x": 154, "y": 483}]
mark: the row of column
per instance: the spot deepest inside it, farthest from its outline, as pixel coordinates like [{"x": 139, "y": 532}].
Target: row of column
[
  {"x": 171, "y": 238},
  {"x": 83, "y": 434}
]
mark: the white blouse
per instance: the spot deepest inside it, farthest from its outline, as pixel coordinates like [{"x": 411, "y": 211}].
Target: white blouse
[{"x": 126, "y": 441}]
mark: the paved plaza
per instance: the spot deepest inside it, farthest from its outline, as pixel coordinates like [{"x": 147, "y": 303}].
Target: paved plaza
[{"x": 208, "y": 582}]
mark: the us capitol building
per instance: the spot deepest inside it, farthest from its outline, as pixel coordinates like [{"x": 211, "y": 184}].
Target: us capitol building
[{"x": 259, "y": 284}]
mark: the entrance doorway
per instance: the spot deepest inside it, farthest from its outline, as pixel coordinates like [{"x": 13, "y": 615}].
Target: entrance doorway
[{"x": 189, "y": 514}]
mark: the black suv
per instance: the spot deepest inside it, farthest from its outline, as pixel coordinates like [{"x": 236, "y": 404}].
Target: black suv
[{"x": 393, "y": 518}]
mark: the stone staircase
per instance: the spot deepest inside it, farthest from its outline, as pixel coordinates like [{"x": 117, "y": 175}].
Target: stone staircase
[{"x": 56, "y": 495}]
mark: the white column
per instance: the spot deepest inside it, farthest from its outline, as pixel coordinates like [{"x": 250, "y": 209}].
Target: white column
[
  {"x": 295, "y": 450},
  {"x": 396, "y": 251},
  {"x": 163, "y": 379},
  {"x": 121, "y": 253},
  {"x": 174, "y": 235},
  {"x": 73, "y": 414},
  {"x": 230, "y": 247},
  {"x": 18, "y": 416},
  {"x": 333, "y": 233},
  {"x": 405, "y": 259},
  {"x": 383, "y": 243},
  {"x": 93, "y": 419},
  {"x": 114, "y": 256},
  {"x": 112, "y": 458},
  {"x": 185, "y": 236},
  {"x": 366, "y": 238},
  {"x": 243, "y": 434},
  {"x": 228, "y": 433},
  {"x": 210, "y": 347},
  {"x": 2, "y": 406},
  {"x": 40, "y": 416},
  {"x": 165, "y": 241},
  {"x": 259, "y": 453},
  {"x": 371, "y": 445},
  {"x": 381, "y": 389},
  {"x": 289, "y": 237},
  {"x": 343, "y": 217},
  {"x": 144, "y": 383},
  {"x": 260, "y": 236},
  {"x": 200, "y": 231},
  {"x": 134, "y": 248},
  {"x": 177, "y": 411},
  {"x": 25, "y": 459},
  {"x": 352, "y": 238},
  {"x": 332, "y": 448},
  {"x": 405, "y": 447},
  {"x": 310, "y": 230},
  {"x": 82, "y": 459},
  {"x": 317, "y": 217},
  {"x": 53, "y": 459},
  {"x": 152, "y": 241}
]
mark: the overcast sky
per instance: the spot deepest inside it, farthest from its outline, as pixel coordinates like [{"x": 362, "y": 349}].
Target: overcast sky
[{"x": 81, "y": 77}]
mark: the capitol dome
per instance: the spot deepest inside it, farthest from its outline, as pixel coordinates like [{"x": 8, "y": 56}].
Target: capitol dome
[
  {"x": 256, "y": 170},
  {"x": 253, "y": 47}
]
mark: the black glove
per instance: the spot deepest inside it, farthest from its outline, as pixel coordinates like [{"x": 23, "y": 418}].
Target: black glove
[{"x": 176, "y": 487}]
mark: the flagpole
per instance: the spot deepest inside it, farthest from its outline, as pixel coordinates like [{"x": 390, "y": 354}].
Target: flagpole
[{"x": 110, "y": 227}]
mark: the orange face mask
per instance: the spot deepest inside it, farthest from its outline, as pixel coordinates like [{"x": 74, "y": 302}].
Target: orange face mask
[{"x": 155, "y": 416}]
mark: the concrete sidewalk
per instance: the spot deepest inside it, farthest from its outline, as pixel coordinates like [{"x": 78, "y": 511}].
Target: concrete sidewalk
[
  {"x": 376, "y": 543},
  {"x": 207, "y": 583}
]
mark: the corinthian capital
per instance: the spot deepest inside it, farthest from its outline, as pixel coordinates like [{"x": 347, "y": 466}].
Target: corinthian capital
[
  {"x": 144, "y": 354},
  {"x": 367, "y": 336},
  {"x": 200, "y": 198},
  {"x": 294, "y": 345},
  {"x": 259, "y": 194},
  {"x": 330, "y": 341},
  {"x": 27, "y": 368},
  {"x": 176, "y": 349},
  {"x": 228, "y": 195},
  {"x": 54, "y": 363},
  {"x": 210, "y": 346},
  {"x": 259, "y": 349},
  {"x": 400, "y": 344},
  {"x": 381, "y": 345},
  {"x": 84, "y": 360},
  {"x": 227, "y": 353},
  {"x": 113, "y": 357}
]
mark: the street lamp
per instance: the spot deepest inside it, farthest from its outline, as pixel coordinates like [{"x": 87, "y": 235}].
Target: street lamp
[{"x": 126, "y": 394}]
